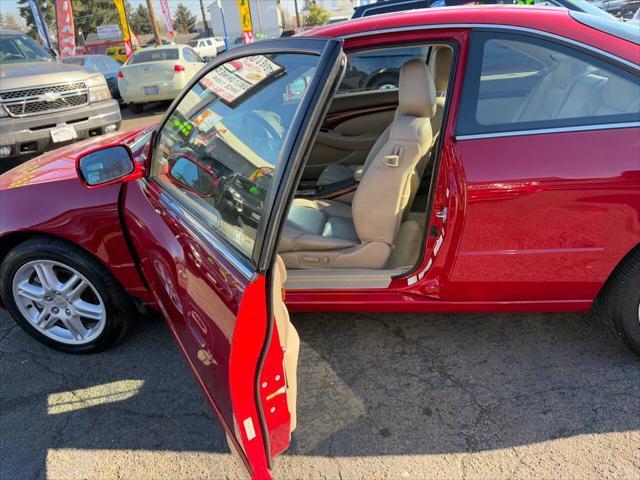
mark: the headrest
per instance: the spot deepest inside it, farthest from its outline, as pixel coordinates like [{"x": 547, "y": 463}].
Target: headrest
[
  {"x": 417, "y": 93},
  {"x": 620, "y": 94},
  {"x": 563, "y": 73},
  {"x": 440, "y": 66}
]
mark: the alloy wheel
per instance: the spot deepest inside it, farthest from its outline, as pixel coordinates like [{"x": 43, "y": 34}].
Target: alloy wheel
[{"x": 59, "y": 302}]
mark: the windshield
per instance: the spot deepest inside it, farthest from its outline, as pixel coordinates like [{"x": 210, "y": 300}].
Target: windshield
[
  {"x": 154, "y": 56},
  {"x": 20, "y": 48}
]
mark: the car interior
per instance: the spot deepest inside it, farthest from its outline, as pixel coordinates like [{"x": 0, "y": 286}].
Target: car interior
[{"x": 359, "y": 216}]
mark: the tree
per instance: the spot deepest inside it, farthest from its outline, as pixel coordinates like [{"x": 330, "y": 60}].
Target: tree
[
  {"x": 317, "y": 15},
  {"x": 11, "y": 22},
  {"x": 184, "y": 21},
  {"x": 140, "y": 20}
]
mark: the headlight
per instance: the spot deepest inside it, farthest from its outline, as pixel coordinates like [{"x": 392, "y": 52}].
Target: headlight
[
  {"x": 96, "y": 81},
  {"x": 98, "y": 90}
]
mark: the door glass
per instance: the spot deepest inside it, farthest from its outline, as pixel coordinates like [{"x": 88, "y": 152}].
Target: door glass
[
  {"x": 226, "y": 135},
  {"x": 517, "y": 82}
]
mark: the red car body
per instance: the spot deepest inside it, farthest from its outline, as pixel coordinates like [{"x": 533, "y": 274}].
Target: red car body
[{"x": 524, "y": 231}]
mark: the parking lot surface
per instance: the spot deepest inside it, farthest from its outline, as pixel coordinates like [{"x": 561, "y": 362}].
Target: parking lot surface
[{"x": 380, "y": 396}]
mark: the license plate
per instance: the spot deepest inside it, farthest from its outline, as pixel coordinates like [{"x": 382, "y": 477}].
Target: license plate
[
  {"x": 63, "y": 133},
  {"x": 151, "y": 90}
]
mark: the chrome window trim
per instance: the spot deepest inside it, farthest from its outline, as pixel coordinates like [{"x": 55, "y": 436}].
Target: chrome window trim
[
  {"x": 491, "y": 26},
  {"x": 204, "y": 233},
  {"x": 541, "y": 131}
]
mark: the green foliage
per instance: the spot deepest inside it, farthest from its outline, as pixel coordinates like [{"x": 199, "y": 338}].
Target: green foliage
[
  {"x": 140, "y": 21},
  {"x": 184, "y": 21},
  {"x": 317, "y": 15}
]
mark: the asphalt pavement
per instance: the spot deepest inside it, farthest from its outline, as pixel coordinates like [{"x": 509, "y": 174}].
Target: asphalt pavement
[{"x": 380, "y": 396}]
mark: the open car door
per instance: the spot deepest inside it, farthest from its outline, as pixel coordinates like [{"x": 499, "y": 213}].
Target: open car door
[{"x": 205, "y": 222}]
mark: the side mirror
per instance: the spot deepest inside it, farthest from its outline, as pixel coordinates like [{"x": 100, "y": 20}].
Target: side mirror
[
  {"x": 107, "y": 166},
  {"x": 193, "y": 176}
]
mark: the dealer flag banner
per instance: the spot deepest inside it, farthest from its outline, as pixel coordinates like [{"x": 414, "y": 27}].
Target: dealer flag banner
[
  {"x": 126, "y": 32},
  {"x": 66, "y": 31},
  {"x": 41, "y": 25},
  {"x": 166, "y": 15},
  {"x": 245, "y": 20}
]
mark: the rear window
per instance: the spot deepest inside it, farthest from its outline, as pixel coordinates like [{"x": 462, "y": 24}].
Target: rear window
[
  {"x": 154, "y": 56},
  {"x": 613, "y": 27}
]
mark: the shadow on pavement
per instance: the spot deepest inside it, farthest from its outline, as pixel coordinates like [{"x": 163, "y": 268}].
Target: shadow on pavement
[{"x": 368, "y": 385}]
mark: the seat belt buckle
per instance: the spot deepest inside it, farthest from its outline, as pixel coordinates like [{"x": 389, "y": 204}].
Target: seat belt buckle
[{"x": 393, "y": 160}]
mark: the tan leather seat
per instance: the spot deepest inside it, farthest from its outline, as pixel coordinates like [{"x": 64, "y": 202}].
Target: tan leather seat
[
  {"x": 332, "y": 234},
  {"x": 440, "y": 68}
]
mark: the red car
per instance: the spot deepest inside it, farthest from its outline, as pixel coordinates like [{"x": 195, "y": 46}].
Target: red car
[{"x": 503, "y": 174}]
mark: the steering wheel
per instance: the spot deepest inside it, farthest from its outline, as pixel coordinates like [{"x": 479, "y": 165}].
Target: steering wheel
[
  {"x": 264, "y": 134},
  {"x": 12, "y": 56}
]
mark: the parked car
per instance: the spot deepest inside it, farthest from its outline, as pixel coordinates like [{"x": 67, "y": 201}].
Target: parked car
[
  {"x": 117, "y": 53},
  {"x": 157, "y": 73},
  {"x": 207, "y": 48},
  {"x": 527, "y": 201},
  {"x": 44, "y": 102},
  {"x": 103, "y": 64}
]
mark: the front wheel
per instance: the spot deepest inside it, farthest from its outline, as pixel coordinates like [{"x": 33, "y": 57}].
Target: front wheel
[
  {"x": 63, "y": 297},
  {"x": 136, "y": 107},
  {"x": 622, "y": 302}
]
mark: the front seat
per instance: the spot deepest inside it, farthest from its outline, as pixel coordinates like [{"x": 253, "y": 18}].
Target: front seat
[{"x": 332, "y": 234}]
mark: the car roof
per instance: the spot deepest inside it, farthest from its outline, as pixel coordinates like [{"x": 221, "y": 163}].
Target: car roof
[
  {"x": 162, "y": 47},
  {"x": 553, "y": 20}
]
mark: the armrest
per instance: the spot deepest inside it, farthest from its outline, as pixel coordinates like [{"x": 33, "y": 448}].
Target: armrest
[{"x": 326, "y": 192}]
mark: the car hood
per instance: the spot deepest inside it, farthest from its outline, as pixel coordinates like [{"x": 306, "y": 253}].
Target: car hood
[
  {"x": 35, "y": 74},
  {"x": 60, "y": 164}
]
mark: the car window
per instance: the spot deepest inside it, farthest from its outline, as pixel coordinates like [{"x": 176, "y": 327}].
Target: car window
[
  {"x": 193, "y": 43},
  {"x": 19, "y": 48},
  {"x": 378, "y": 69},
  {"x": 219, "y": 149},
  {"x": 162, "y": 55},
  {"x": 190, "y": 55},
  {"x": 516, "y": 82}
]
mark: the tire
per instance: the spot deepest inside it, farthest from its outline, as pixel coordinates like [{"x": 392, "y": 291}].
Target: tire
[
  {"x": 621, "y": 303},
  {"x": 136, "y": 107},
  {"x": 385, "y": 82},
  {"x": 94, "y": 297}
]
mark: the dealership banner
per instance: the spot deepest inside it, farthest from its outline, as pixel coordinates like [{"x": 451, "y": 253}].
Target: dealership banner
[
  {"x": 41, "y": 24},
  {"x": 126, "y": 31},
  {"x": 245, "y": 20},
  {"x": 66, "y": 31},
  {"x": 166, "y": 15}
]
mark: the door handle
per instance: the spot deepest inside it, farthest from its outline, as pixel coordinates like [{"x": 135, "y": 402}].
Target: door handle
[{"x": 442, "y": 214}]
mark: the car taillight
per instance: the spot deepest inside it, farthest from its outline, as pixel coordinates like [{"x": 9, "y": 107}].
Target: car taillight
[
  {"x": 178, "y": 68},
  {"x": 120, "y": 74}
]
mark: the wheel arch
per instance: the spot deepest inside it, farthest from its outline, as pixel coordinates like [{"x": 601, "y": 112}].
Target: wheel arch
[
  {"x": 600, "y": 296},
  {"x": 11, "y": 240}
]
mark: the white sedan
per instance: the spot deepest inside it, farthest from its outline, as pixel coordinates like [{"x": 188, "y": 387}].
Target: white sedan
[{"x": 157, "y": 73}]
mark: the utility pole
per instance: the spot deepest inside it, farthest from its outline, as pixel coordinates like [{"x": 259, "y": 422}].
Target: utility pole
[
  {"x": 154, "y": 24},
  {"x": 207, "y": 30},
  {"x": 295, "y": 4}
]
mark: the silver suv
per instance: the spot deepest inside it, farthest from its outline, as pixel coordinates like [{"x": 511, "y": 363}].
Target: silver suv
[{"x": 44, "y": 102}]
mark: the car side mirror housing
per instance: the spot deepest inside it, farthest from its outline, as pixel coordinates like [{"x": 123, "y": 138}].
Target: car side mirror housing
[
  {"x": 193, "y": 176},
  {"x": 108, "y": 166}
]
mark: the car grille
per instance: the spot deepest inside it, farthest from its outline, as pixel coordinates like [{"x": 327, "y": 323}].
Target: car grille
[{"x": 34, "y": 101}]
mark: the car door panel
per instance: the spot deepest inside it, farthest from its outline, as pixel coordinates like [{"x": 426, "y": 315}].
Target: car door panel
[{"x": 227, "y": 315}]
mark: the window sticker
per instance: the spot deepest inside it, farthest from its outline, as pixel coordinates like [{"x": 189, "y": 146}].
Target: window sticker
[{"x": 237, "y": 78}]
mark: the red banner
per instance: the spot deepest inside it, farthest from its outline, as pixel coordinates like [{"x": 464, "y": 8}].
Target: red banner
[
  {"x": 166, "y": 15},
  {"x": 66, "y": 31}
]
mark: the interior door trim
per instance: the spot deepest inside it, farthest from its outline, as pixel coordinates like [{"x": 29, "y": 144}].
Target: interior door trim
[{"x": 335, "y": 119}]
